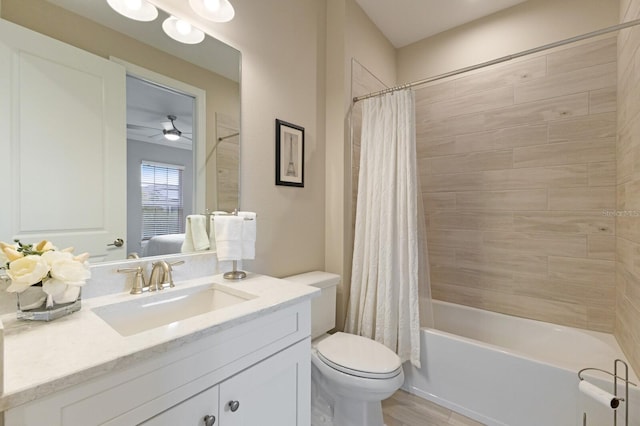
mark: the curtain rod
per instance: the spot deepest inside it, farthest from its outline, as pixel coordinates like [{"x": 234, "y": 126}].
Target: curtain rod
[{"x": 500, "y": 60}]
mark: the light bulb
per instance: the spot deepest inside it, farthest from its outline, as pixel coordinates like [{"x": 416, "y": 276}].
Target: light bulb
[
  {"x": 133, "y": 4},
  {"x": 183, "y": 27},
  {"x": 212, "y": 5}
]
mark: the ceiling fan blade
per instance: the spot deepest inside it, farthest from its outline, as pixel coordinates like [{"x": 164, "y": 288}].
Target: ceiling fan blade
[{"x": 138, "y": 127}]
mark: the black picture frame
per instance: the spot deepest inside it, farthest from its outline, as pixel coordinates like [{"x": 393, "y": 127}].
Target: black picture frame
[{"x": 289, "y": 154}]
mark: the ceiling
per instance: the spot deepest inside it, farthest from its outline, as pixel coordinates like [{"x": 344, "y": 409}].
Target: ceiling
[
  {"x": 148, "y": 106},
  {"x": 406, "y": 21}
]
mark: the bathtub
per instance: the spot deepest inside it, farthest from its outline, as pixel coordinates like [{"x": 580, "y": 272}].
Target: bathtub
[{"x": 504, "y": 370}]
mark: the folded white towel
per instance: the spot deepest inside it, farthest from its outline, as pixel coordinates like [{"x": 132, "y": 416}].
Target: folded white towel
[
  {"x": 248, "y": 234},
  {"x": 228, "y": 235},
  {"x": 212, "y": 228},
  {"x": 195, "y": 234}
]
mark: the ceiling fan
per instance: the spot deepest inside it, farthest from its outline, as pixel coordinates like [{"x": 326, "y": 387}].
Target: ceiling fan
[{"x": 170, "y": 131}]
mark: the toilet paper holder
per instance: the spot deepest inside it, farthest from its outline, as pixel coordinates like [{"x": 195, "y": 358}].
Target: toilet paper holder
[{"x": 616, "y": 377}]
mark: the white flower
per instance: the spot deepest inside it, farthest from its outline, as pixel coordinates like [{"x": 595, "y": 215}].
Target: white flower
[
  {"x": 26, "y": 271},
  {"x": 69, "y": 271},
  {"x": 52, "y": 257}
]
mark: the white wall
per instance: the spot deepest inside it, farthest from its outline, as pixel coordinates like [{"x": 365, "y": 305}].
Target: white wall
[
  {"x": 524, "y": 26},
  {"x": 282, "y": 65}
]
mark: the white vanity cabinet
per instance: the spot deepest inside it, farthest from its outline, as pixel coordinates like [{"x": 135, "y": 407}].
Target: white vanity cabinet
[{"x": 256, "y": 372}]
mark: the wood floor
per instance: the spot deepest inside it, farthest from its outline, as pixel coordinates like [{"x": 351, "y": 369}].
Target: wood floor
[{"x": 404, "y": 409}]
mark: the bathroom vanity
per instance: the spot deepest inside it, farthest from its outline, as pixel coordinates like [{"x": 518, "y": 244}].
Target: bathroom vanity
[{"x": 244, "y": 363}]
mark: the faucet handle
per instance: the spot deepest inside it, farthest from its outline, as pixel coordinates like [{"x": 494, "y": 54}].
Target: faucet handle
[
  {"x": 138, "y": 280},
  {"x": 170, "y": 271}
]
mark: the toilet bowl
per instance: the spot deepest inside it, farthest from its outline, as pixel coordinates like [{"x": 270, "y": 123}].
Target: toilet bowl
[{"x": 350, "y": 375}]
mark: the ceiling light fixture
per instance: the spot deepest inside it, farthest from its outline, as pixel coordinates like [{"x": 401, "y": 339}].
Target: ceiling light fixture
[
  {"x": 182, "y": 31},
  {"x": 172, "y": 134},
  {"x": 213, "y": 10},
  {"x": 139, "y": 10}
]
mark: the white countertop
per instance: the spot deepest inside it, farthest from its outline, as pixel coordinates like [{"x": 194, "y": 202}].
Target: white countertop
[{"x": 41, "y": 358}]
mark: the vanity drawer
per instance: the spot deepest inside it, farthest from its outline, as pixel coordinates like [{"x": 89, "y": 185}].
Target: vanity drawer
[{"x": 161, "y": 380}]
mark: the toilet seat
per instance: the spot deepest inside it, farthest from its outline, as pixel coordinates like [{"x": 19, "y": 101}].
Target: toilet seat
[{"x": 359, "y": 356}]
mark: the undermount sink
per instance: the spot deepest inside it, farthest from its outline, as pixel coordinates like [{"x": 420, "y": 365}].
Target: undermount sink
[{"x": 168, "y": 306}]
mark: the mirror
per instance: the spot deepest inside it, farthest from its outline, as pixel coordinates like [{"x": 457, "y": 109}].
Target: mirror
[{"x": 211, "y": 66}]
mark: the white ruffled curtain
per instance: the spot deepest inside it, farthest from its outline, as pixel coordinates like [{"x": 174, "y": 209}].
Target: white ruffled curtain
[{"x": 390, "y": 294}]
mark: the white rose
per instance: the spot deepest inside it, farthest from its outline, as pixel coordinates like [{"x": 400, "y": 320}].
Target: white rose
[
  {"x": 52, "y": 257},
  {"x": 26, "y": 271},
  {"x": 70, "y": 271},
  {"x": 3, "y": 259}
]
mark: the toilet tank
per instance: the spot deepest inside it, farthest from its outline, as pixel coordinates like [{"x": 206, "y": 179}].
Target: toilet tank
[{"x": 323, "y": 308}]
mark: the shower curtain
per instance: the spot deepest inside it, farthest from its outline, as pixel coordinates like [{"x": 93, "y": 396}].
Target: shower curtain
[{"x": 390, "y": 296}]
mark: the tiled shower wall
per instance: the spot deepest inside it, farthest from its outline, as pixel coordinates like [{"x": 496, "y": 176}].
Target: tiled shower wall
[
  {"x": 518, "y": 176},
  {"x": 627, "y": 328}
]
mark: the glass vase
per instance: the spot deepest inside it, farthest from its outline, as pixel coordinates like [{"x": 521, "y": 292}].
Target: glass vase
[{"x": 32, "y": 305}]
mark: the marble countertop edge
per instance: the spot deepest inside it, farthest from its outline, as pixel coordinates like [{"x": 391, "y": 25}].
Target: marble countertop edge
[{"x": 273, "y": 295}]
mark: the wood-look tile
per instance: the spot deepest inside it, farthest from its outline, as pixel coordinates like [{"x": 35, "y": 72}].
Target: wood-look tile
[
  {"x": 451, "y": 182},
  {"x": 520, "y": 200},
  {"x": 469, "y": 104},
  {"x": 440, "y": 255},
  {"x": 588, "y": 151},
  {"x": 426, "y": 146},
  {"x": 583, "y": 270},
  {"x": 579, "y": 80},
  {"x": 474, "y": 161},
  {"x": 546, "y": 243},
  {"x": 502, "y": 138},
  {"x": 487, "y": 259},
  {"x": 471, "y": 278},
  {"x": 405, "y": 409},
  {"x": 535, "y": 177},
  {"x": 603, "y": 100},
  {"x": 562, "y": 290},
  {"x": 499, "y": 76},
  {"x": 564, "y": 221},
  {"x": 602, "y": 174},
  {"x": 601, "y": 319},
  {"x": 472, "y": 220},
  {"x": 582, "y": 56},
  {"x": 601, "y": 247},
  {"x": 434, "y": 92},
  {"x": 455, "y": 238},
  {"x": 593, "y": 126},
  {"x": 434, "y": 201},
  {"x": 557, "y": 108},
  {"x": 591, "y": 198}
]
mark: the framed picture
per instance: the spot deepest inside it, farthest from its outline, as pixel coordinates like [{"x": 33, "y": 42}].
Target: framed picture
[{"x": 289, "y": 154}]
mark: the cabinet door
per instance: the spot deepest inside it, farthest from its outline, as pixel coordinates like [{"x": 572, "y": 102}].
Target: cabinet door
[
  {"x": 191, "y": 412},
  {"x": 63, "y": 146},
  {"x": 274, "y": 392}
]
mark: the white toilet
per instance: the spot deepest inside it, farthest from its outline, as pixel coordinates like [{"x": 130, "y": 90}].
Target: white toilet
[{"x": 350, "y": 375}]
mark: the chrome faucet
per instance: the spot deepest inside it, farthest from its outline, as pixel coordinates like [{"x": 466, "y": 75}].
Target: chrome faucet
[{"x": 161, "y": 274}]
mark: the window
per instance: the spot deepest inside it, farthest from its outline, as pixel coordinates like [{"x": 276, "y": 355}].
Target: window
[{"x": 162, "y": 205}]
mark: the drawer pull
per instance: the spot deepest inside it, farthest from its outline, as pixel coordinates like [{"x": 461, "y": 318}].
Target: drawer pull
[
  {"x": 234, "y": 405},
  {"x": 209, "y": 420}
]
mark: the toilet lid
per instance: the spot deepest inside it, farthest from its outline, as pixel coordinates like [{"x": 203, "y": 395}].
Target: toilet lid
[{"x": 359, "y": 356}]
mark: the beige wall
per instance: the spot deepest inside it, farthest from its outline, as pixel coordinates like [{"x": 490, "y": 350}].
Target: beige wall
[
  {"x": 627, "y": 328},
  {"x": 350, "y": 35},
  {"x": 524, "y": 26}
]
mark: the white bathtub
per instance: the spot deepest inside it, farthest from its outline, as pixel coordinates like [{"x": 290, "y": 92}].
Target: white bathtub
[{"x": 504, "y": 370}]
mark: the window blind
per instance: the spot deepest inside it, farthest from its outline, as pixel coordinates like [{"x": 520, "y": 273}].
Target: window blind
[{"x": 162, "y": 199}]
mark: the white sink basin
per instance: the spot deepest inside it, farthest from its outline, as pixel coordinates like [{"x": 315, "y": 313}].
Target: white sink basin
[{"x": 168, "y": 306}]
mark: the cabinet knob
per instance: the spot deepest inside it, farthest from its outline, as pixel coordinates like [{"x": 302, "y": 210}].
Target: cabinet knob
[
  {"x": 209, "y": 420},
  {"x": 234, "y": 405}
]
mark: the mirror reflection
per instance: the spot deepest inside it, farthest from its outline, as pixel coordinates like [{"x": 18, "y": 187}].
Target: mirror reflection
[{"x": 171, "y": 89}]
